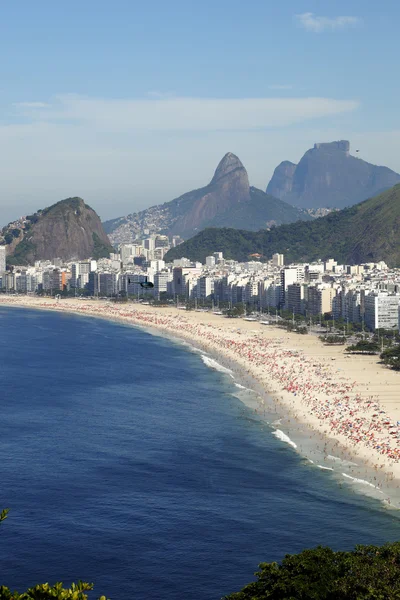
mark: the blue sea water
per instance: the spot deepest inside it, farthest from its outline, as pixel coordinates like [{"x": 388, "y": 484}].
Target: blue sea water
[{"x": 127, "y": 462}]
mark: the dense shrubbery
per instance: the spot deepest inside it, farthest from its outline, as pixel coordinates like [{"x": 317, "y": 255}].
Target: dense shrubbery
[
  {"x": 332, "y": 339},
  {"x": 366, "y": 573},
  {"x": 391, "y": 357},
  {"x": 363, "y": 347}
]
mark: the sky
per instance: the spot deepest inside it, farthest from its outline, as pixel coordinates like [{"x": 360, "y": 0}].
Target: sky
[{"x": 128, "y": 103}]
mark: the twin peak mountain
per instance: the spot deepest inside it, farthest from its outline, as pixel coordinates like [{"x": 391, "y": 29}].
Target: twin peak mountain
[
  {"x": 227, "y": 201},
  {"x": 326, "y": 176}
]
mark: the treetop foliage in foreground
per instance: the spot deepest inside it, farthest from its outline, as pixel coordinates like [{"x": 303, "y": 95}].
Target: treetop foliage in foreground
[
  {"x": 45, "y": 591},
  {"x": 365, "y": 573}
]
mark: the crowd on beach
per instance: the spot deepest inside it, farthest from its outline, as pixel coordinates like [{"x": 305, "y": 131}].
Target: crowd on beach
[{"x": 308, "y": 382}]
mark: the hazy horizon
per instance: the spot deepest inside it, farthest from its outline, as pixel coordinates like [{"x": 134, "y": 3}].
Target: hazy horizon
[{"x": 133, "y": 106}]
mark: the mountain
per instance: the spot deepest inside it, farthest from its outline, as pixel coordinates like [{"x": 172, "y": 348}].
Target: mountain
[
  {"x": 366, "y": 232},
  {"x": 328, "y": 176},
  {"x": 228, "y": 200},
  {"x": 68, "y": 230}
]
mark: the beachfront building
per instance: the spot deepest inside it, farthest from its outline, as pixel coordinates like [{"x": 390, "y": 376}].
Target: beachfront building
[
  {"x": 204, "y": 288},
  {"x": 161, "y": 281},
  {"x": 290, "y": 275},
  {"x": 182, "y": 276},
  {"x": 348, "y": 303},
  {"x": 320, "y": 299},
  {"x": 297, "y": 297},
  {"x": 271, "y": 293},
  {"x": 80, "y": 274},
  {"x": 251, "y": 292},
  {"x": 381, "y": 310}
]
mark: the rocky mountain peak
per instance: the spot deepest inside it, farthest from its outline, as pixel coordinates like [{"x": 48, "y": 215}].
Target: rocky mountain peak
[
  {"x": 69, "y": 229},
  {"x": 329, "y": 176},
  {"x": 228, "y": 165},
  {"x": 340, "y": 146},
  {"x": 282, "y": 180}
]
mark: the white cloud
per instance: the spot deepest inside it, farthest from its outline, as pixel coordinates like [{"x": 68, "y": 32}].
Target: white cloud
[
  {"x": 279, "y": 86},
  {"x": 312, "y": 22},
  {"x": 32, "y": 105},
  {"x": 42, "y": 163},
  {"x": 125, "y": 155},
  {"x": 185, "y": 114}
]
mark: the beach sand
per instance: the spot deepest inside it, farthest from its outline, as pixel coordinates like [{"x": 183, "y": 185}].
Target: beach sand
[{"x": 349, "y": 404}]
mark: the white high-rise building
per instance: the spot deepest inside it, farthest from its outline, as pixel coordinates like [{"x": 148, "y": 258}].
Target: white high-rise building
[
  {"x": 381, "y": 310},
  {"x": 290, "y": 275},
  {"x": 2, "y": 259}
]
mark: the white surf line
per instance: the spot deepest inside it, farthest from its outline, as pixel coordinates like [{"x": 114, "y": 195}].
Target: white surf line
[{"x": 284, "y": 438}]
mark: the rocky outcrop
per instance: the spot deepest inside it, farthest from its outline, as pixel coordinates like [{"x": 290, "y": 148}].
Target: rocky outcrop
[
  {"x": 227, "y": 201},
  {"x": 282, "y": 180},
  {"x": 329, "y": 176},
  {"x": 68, "y": 230}
]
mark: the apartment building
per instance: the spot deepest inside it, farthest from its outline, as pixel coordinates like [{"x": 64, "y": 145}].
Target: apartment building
[{"x": 381, "y": 310}]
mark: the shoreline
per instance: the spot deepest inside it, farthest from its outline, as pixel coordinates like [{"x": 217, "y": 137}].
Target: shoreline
[{"x": 292, "y": 376}]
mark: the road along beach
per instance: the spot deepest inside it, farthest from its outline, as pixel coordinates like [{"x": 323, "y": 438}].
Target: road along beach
[{"x": 351, "y": 404}]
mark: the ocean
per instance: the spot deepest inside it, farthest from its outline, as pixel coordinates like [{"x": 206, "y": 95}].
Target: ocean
[{"x": 130, "y": 461}]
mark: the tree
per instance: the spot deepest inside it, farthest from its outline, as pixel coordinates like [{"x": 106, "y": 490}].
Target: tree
[
  {"x": 391, "y": 357},
  {"x": 365, "y": 573},
  {"x": 45, "y": 591},
  {"x": 332, "y": 339},
  {"x": 364, "y": 347}
]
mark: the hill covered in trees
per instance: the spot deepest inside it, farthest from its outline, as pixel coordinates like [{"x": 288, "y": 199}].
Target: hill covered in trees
[{"x": 366, "y": 232}]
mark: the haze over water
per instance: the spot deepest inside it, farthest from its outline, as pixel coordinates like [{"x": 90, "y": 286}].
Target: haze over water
[{"x": 126, "y": 461}]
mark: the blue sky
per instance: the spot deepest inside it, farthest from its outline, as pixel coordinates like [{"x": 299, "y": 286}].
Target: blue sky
[{"x": 130, "y": 104}]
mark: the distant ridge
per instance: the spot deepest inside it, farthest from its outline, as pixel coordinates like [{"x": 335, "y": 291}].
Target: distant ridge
[
  {"x": 366, "y": 232},
  {"x": 228, "y": 200},
  {"x": 328, "y": 176},
  {"x": 69, "y": 229}
]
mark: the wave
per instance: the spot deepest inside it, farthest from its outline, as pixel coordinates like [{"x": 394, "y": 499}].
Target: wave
[
  {"x": 344, "y": 462},
  {"x": 283, "y": 437},
  {"x": 213, "y": 364},
  {"x": 242, "y": 387},
  {"x": 356, "y": 480},
  {"x": 325, "y": 468}
]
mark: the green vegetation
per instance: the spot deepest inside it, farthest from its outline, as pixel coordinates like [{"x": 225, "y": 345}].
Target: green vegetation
[
  {"x": 21, "y": 253},
  {"x": 363, "y": 347},
  {"x": 100, "y": 249},
  {"x": 366, "y": 573},
  {"x": 333, "y": 339},
  {"x": 366, "y": 232},
  {"x": 391, "y": 357}
]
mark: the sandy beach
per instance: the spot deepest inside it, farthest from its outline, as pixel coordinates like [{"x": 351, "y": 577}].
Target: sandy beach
[{"x": 351, "y": 401}]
